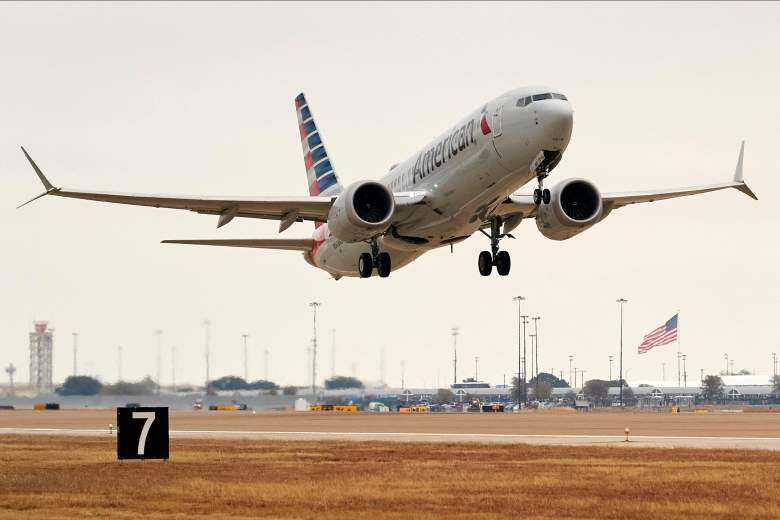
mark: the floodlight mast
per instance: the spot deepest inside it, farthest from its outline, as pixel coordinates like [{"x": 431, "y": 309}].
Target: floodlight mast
[
  {"x": 158, "y": 333},
  {"x": 519, "y": 300},
  {"x": 621, "y": 301},
  {"x": 246, "y": 359},
  {"x": 314, "y": 306},
  {"x": 525, "y": 373},
  {"x": 454, "y": 332},
  {"x": 207, "y": 327}
]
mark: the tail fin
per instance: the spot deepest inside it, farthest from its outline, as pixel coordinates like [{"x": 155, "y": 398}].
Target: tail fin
[{"x": 320, "y": 174}]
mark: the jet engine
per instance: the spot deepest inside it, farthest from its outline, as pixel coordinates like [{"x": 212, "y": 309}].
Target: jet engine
[
  {"x": 575, "y": 205},
  {"x": 362, "y": 211}
]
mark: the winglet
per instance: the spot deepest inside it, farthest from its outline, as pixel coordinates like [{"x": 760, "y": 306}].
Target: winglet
[
  {"x": 738, "y": 175},
  {"x": 46, "y": 184},
  {"x": 41, "y": 176}
]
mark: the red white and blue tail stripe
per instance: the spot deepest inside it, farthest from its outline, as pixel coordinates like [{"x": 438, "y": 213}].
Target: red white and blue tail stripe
[{"x": 320, "y": 174}]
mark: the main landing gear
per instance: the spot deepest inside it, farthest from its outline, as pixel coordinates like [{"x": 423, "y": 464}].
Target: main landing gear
[
  {"x": 367, "y": 262},
  {"x": 494, "y": 257}
]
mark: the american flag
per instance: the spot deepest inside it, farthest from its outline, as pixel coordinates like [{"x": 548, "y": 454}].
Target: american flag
[{"x": 664, "y": 334}]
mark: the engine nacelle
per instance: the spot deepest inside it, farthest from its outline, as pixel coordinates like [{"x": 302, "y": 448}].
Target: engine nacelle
[
  {"x": 575, "y": 205},
  {"x": 362, "y": 211}
]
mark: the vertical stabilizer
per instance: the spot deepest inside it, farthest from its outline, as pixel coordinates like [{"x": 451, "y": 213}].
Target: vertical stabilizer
[{"x": 321, "y": 176}]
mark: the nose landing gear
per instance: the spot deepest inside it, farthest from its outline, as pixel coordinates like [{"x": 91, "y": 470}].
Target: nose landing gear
[
  {"x": 541, "y": 194},
  {"x": 494, "y": 257},
  {"x": 367, "y": 262}
]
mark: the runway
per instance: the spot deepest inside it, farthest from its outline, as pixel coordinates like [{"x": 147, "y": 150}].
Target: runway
[
  {"x": 638, "y": 441},
  {"x": 735, "y": 431}
]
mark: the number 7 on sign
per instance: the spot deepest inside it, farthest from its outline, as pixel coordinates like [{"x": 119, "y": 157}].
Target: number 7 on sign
[{"x": 149, "y": 416}]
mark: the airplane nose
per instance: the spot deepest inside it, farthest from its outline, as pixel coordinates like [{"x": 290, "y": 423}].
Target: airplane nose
[{"x": 557, "y": 118}]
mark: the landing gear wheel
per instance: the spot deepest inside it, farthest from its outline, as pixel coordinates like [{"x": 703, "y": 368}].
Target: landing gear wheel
[
  {"x": 546, "y": 196},
  {"x": 537, "y": 196},
  {"x": 365, "y": 265},
  {"x": 485, "y": 263},
  {"x": 503, "y": 263},
  {"x": 383, "y": 265}
]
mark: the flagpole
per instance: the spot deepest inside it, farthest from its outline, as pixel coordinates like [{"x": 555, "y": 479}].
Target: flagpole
[{"x": 678, "y": 348}]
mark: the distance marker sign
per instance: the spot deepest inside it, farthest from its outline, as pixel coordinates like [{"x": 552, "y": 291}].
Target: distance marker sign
[{"x": 142, "y": 433}]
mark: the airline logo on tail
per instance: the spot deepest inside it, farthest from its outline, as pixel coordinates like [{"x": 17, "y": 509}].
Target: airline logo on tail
[{"x": 319, "y": 170}]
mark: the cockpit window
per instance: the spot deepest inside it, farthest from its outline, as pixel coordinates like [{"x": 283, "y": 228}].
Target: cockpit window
[{"x": 522, "y": 102}]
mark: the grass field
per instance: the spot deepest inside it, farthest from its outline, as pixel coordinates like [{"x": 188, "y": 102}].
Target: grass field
[{"x": 65, "y": 477}]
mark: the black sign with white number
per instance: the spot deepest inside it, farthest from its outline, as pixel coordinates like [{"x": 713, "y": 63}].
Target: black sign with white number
[{"x": 142, "y": 433}]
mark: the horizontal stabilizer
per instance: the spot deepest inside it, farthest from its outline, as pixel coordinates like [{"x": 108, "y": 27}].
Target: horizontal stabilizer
[{"x": 286, "y": 244}]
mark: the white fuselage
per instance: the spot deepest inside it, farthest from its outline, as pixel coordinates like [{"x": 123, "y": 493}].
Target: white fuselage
[{"x": 465, "y": 174}]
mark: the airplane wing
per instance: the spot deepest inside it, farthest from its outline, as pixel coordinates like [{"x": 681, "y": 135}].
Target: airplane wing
[
  {"x": 522, "y": 206},
  {"x": 291, "y": 244},
  {"x": 287, "y": 210}
]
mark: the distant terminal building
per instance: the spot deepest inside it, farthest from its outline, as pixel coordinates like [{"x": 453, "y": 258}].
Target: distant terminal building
[
  {"x": 41, "y": 358},
  {"x": 470, "y": 384}
]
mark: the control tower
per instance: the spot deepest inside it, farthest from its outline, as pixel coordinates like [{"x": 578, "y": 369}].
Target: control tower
[{"x": 41, "y": 359}]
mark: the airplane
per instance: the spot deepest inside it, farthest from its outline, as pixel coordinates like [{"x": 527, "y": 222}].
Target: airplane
[{"x": 460, "y": 183}]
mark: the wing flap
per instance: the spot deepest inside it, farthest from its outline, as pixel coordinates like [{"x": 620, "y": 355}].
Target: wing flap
[{"x": 284, "y": 244}]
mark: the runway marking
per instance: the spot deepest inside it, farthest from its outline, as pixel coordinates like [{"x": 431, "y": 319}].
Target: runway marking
[{"x": 406, "y": 434}]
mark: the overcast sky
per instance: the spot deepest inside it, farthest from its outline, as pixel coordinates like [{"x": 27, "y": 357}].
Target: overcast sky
[{"x": 198, "y": 99}]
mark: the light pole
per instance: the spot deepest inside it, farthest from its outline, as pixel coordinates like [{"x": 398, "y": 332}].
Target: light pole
[
  {"x": 731, "y": 361},
  {"x": 314, "y": 306},
  {"x": 610, "y": 367},
  {"x": 173, "y": 368},
  {"x": 531, "y": 354},
  {"x": 454, "y": 332},
  {"x": 119, "y": 362},
  {"x": 333, "y": 355},
  {"x": 582, "y": 379},
  {"x": 774, "y": 364},
  {"x": 519, "y": 300},
  {"x": 525, "y": 373},
  {"x": 265, "y": 364},
  {"x": 206, "y": 329},
  {"x": 246, "y": 359},
  {"x": 726, "y": 357},
  {"x": 571, "y": 359},
  {"x": 685, "y": 374},
  {"x": 621, "y": 301},
  {"x": 158, "y": 332},
  {"x": 75, "y": 352},
  {"x": 663, "y": 372},
  {"x": 575, "y": 377},
  {"x": 536, "y": 349}
]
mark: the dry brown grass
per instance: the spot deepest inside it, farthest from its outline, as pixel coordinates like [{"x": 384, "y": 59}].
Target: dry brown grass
[{"x": 67, "y": 477}]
